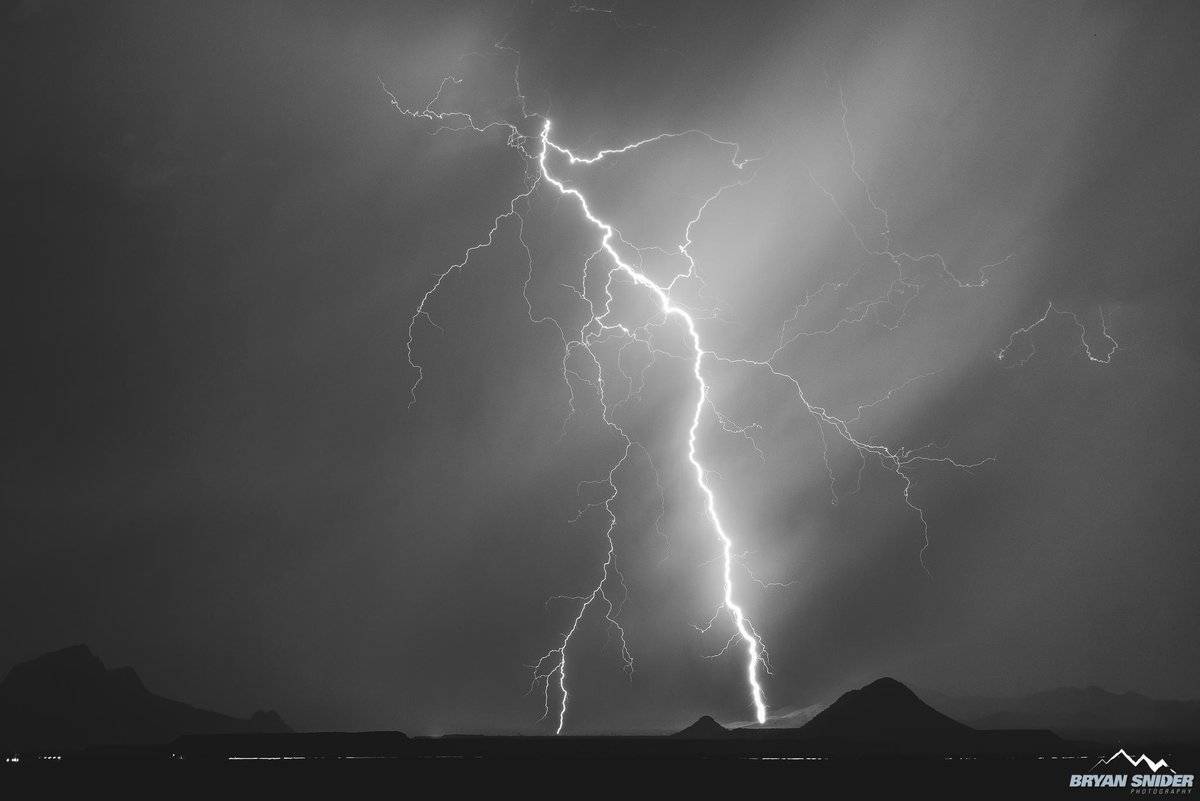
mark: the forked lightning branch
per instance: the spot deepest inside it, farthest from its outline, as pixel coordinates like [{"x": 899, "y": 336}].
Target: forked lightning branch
[{"x": 548, "y": 170}]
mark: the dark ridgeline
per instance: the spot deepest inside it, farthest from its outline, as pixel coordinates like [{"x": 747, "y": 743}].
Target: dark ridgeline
[
  {"x": 68, "y": 700},
  {"x": 882, "y": 721},
  {"x": 885, "y": 718},
  {"x": 68, "y": 703},
  {"x": 1088, "y": 713}
]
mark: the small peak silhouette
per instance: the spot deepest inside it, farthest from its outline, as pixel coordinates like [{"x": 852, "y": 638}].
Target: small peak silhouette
[{"x": 705, "y": 728}]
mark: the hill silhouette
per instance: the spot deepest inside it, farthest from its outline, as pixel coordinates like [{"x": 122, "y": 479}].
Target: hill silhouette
[
  {"x": 704, "y": 728},
  {"x": 1087, "y": 713},
  {"x": 69, "y": 700},
  {"x": 884, "y": 709},
  {"x": 886, "y": 717}
]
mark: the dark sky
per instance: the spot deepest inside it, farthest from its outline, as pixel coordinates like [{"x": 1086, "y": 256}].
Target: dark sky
[{"x": 218, "y": 228}]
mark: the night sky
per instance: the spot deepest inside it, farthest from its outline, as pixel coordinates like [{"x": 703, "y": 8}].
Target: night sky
[{"x": 219, "y": 227}]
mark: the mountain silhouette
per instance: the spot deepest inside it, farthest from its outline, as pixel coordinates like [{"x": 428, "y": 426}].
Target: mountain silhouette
[
  {"x": 68, "y": 700},
  {"x": 887, "y": 718},
  {"x": 884, "y": 709},
  {"x": 704, "y": 728},
  {"x": 1087, "y": 713},
  {"x": 884, "y": 712}
]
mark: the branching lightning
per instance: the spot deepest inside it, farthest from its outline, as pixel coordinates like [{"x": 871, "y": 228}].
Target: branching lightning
[
  {"x": 531, "y": 136},
  {"x": 1026, "y": 331}
]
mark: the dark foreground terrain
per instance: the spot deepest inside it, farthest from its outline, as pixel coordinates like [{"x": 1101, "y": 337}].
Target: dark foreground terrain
[
  {"x": 281, "y": 762},
  {"x": 66, "y": 714}
]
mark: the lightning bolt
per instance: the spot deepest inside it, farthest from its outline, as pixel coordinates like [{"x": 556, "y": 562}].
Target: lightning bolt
[
  {"x": 753, "y": 646},
  {"x": 1026, "y": 332},
  {"x": 531, "y": 137}
]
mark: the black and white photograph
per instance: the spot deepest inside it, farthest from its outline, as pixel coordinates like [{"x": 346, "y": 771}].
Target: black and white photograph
[{"x": 770, "y": 391}]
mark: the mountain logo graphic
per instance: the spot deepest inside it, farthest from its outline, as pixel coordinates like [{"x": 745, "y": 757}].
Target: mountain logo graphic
[
  {"x": 1140, "y": 774},
  {"x": 1154, "y": 764}
]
